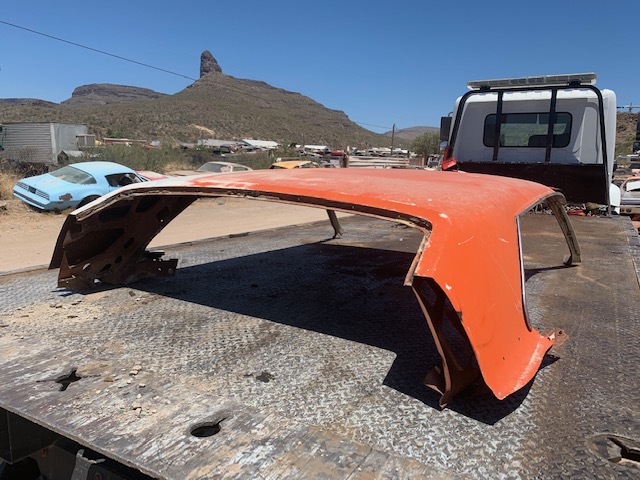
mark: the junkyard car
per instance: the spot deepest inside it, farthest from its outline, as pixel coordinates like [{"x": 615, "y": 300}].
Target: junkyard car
[
  {"x": 294, "y": 164},
  {"x": 212, "y": 167},
  {"x": 630, "y": 199},
  {"x": 74, "y": 185}
]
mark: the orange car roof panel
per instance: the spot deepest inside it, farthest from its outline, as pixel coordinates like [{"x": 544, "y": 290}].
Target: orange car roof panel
[{"x": 472, "y": 253}]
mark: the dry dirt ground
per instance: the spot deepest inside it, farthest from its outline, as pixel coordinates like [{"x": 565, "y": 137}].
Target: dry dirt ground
[{"x": 27, "y": 236}]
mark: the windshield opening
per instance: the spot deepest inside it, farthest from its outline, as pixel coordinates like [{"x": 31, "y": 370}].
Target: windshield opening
[{"x": 215, "y": 167}]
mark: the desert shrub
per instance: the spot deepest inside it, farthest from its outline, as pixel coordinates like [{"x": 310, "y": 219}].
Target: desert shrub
[
  {"x": 255, "y": 160},
  {"x": 138, "y": 158},
  {"x": 161, "y": 160},
  {"x": 197, "y": 156},
  {"x": 166, "y": 159},
  {"x": 7, "y": 182}
]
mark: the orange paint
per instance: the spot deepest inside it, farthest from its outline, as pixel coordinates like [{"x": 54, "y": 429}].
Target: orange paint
[{"x": 472, "y": 254}]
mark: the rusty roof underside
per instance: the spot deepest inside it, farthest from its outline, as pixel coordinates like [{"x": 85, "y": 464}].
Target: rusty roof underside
[{"x": 467, "y": 275}]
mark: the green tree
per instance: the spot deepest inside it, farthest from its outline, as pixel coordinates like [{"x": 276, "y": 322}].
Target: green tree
[{"x": 426, "y": 144}]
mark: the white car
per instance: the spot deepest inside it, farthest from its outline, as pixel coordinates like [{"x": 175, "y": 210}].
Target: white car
[
  {"x": 630, "y": 196},
  {"x": 212, "y": 167}
]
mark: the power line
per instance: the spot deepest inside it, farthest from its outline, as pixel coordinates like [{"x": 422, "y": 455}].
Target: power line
[
  {"x": 98, "y": 51},
  {"x": 629, "y": 107},
  {"x": 370, "y": 125}
]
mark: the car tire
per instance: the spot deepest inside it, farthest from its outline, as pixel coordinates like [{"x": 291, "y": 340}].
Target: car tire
[{"x": 86, "y": 200}]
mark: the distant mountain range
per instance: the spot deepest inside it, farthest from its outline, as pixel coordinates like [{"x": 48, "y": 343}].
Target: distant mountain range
[
  {"x": 25, "y": 101},
  {"x": 215, "y": 106},
  {"x": 412, "y": 132},
  {"x": 105, "y": 93}
]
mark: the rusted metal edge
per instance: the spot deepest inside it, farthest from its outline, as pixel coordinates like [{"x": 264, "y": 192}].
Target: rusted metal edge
[{"x": 468, "y": 273}]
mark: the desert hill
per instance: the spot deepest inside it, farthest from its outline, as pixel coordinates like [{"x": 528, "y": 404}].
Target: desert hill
[
  {"x": 221, "y": 105},
  {"x": 411, "y": 133},
  {"x": 105, "y": 93},
  {"x": 627, "y": 126}
]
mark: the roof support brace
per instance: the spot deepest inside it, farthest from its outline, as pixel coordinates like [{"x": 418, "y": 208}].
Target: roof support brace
[{"x": 552, "y": 124}]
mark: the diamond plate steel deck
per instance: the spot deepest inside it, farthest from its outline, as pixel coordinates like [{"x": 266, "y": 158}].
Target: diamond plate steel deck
[{"x": 306, "y": 374}]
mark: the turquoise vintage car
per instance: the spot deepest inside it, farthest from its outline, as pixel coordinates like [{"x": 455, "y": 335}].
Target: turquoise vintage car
[{"x": 74, "y": 185}]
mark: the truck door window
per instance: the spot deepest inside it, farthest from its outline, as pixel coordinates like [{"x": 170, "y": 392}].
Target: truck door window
[{"x": 528, "y": 130}]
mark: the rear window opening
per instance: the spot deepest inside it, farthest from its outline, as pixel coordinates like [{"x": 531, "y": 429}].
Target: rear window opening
[{"x": 73, "y": 175}]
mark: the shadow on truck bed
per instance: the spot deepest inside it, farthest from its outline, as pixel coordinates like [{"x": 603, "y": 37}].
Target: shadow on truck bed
[{"x": 354, "y": 292}]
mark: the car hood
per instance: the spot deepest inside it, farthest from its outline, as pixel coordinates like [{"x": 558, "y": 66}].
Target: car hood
[{"x": 631, "y": 191}]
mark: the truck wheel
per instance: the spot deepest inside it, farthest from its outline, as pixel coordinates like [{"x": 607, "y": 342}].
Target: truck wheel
[{"x": 86, "y": 200}]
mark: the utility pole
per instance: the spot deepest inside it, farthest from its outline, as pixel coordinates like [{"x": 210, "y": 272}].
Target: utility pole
[{"x": 393, "y": 135}]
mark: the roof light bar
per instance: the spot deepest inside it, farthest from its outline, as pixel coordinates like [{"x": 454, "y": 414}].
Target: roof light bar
[{"x": 564, "y": 79}]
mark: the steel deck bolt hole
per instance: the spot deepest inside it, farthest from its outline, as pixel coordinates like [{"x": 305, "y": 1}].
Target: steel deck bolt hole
[
  {"x": 207, "y": 429},
  {"x": 66, "y": 380}
]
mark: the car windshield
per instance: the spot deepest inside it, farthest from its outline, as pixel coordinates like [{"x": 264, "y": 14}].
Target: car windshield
[
  {"x": 215, "y": 167},
  {"x": 73, "y": 175}
]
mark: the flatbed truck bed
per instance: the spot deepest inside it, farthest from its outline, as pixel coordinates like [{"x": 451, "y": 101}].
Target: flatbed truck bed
[{"x": 288, "y": 354}]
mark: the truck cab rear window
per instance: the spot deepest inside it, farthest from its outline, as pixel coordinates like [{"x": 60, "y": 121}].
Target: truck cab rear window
[{"x": 528, "y": 130}]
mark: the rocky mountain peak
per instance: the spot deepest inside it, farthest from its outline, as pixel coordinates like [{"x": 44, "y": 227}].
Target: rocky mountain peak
[
  {"x": 208, "y": 64},
  {"x": 106, "y": 93}
]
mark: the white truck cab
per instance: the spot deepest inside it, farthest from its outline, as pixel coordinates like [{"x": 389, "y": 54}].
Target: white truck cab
[{"x": 558, "y": 130}]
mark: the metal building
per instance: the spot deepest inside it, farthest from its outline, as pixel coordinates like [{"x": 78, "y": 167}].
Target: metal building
[{"x": 41, "y": 142}]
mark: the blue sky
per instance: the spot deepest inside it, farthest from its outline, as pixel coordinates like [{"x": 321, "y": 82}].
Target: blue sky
[{"x": 382, "y": 63}]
